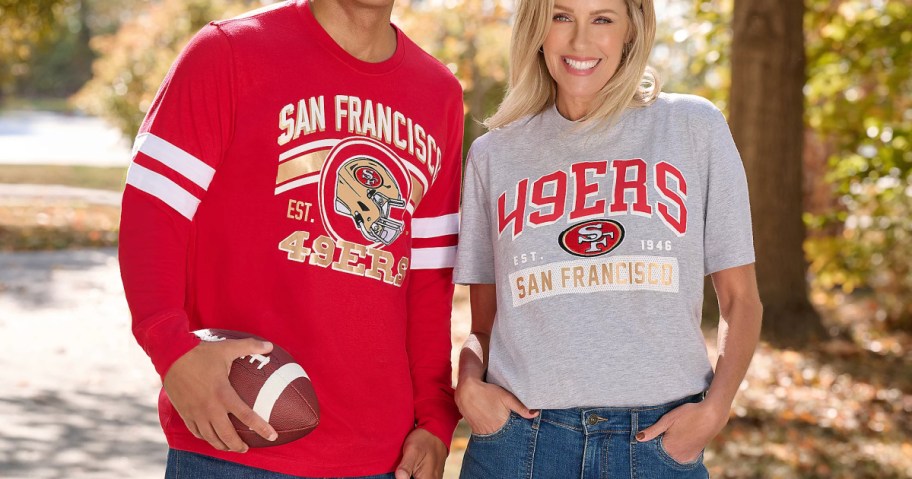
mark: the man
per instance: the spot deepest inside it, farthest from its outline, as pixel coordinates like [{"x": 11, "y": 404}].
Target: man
[{"x": 297, "y": 178}]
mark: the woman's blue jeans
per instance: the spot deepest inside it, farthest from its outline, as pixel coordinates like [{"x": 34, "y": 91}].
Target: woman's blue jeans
[{"x": 579, "y": 443}]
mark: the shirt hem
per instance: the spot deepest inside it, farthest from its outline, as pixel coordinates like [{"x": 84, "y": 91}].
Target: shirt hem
[{"x": 260, "y": 459}]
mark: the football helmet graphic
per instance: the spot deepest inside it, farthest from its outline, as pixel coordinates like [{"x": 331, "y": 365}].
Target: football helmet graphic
[{"x": 366, "y": 191}]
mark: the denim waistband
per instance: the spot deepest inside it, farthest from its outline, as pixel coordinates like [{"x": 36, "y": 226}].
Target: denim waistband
[{"x": 611, "y": 420}]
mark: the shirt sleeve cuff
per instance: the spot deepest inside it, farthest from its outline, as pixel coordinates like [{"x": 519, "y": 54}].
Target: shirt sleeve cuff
[
  {"x": 166, "y": 341},
  {"x": 439, "y": 417}
]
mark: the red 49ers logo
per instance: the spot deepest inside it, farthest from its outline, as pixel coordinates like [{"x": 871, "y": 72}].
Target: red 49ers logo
[
  {"x": 592, "y": 238},
  {"x": 369, "y": 177}
]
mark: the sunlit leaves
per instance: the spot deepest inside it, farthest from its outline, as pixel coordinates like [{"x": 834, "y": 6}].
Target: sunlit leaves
[
  {"x": 859, "y": 97},
  {"x": 135, "y": 60}
]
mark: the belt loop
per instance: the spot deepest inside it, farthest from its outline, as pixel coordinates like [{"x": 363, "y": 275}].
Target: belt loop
[
  {"x": 634, "y": 425},
  {"x": 536, "y": 421}
]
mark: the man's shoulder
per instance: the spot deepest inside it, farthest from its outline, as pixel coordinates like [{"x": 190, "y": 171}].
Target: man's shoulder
[
  {"x": 430, "y": 66},
  {"x": 259, "y": 20}
]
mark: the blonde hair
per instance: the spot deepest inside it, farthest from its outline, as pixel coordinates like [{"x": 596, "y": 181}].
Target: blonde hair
[{"x": 531, "y": 89}]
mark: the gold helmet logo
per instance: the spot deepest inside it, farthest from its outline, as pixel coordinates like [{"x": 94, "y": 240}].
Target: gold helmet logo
[{"x": 365, "y": 191}]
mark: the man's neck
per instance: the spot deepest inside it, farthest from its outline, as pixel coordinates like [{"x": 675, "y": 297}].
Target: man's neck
[{"x": 362, "y": 30}]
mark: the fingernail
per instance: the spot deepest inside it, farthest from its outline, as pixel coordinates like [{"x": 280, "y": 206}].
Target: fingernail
[
  {"x": 641, "y": 436},
  {"x": 267, "y": 344},
  {"x": 534, "y": 412},
  {"x": 273, "y": 436}
]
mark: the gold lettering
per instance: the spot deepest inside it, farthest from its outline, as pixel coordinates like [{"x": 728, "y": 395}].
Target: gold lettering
[
  {"x": 303, "y": 120},
  {"x": 639, "y": 272},
  {"x": 593, "y": 275},
  {"x": 620, "y": 279},
  {"x": 652, "y": 269},
  {"x": 340, "y": 111},
  {"x": 546, "y": 281},
  {"x": 411, "y": 136},
  {"x": 286, "y": 124},
  {"x": 607, "y": 273},
  {"x": 368, "y": 123},
  {"x": 317, "y": 113},
  {"x": 323, "y": 250},
  {"x": 667, "y": 274},
  {"x": 519, "y": 285},
  {"x": 381, "y": 262},
  {"x": 403, "y": 269},
  {"x": 533, "y": 285},
  {"x": 354, "y": 115},
  {"x": 398, "y": 119},
  {"x": 578, "y": 277},
  {"x": 421, "y": 151},
  {"x": 349, "y": 253},
  {"x": 384, "y": 123}
]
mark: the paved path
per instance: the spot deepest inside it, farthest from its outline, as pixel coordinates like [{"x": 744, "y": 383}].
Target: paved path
[
  {"x": 17, "y": 193},
  {"x": 48, "y": 138},
  {"x": 77, "y": 396}
]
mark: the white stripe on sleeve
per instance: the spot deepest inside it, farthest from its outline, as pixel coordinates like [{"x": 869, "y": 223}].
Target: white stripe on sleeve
[
  {"x": 175, "y": 158},
  {"x": 433, "y": 258},
  {"x": 437, "y": 226},
  {"x": 164, "y": 189}
]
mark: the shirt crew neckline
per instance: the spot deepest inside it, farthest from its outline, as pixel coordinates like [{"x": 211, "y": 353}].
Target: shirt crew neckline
[
  {"x": 327, "y": 42},
  {"x": 553, "y": 115}
]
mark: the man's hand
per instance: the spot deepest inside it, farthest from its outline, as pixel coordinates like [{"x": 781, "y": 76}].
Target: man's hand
[
  {"x": 486, "y": 407},
  {"x": 197, "y": 385},
  {"x": 688, "y": 429},
  {"x": 423, "y": 456}
]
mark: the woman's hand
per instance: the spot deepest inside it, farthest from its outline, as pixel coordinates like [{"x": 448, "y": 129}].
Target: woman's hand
[
  {"x": 687, "y": 429},
  {"x": 486, "y": 407}
]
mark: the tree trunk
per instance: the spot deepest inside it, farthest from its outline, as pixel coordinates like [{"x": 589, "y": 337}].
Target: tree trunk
[{"x": 767, "y": 121}]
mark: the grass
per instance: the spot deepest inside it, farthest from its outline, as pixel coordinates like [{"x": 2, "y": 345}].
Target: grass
[
  {"x": 34, "y": 224},
  {"x": 57, "y": 224},
  {"x": 62, "y": 105},
  {"x": 111, "y": 179}
]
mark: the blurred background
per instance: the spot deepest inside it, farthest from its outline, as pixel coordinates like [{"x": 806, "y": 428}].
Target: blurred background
[{"x": 819, "y": 98}]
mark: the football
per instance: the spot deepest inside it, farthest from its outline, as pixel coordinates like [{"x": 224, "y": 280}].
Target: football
[{"x": 275, "y": 386}]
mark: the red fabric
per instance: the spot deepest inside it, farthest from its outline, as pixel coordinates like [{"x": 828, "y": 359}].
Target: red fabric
[{"x": 267, "y": 250}]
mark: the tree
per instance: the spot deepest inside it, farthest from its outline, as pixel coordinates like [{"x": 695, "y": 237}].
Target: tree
[
  {"x": 859, "y": 102},
  {"x": 24, "y": 24},
  {"x": 766, "y": 118},
  {"x": 134, "y": 61},
  {"x": 470, "y": 36}
]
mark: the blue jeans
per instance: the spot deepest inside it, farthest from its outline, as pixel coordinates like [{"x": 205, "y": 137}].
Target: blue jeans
[
  {"x": 579, "y": 443},
  {"x": 189, "y": 465}
]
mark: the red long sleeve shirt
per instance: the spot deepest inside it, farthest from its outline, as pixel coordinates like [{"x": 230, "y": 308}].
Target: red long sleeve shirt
[{"x": 282, "y": 187}]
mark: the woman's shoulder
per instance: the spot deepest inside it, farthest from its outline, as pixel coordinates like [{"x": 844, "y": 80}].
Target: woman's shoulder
[
  {"x": 506, "y": 136},
  {"x": 690, "y": 106}
]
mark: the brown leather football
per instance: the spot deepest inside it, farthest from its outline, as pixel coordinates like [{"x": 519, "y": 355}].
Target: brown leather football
[{"x": 275, "y": 386}]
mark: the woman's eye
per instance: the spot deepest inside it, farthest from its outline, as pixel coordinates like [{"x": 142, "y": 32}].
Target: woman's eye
[
  {"x": 602, "y": 20},
  {"x": 561, "y": 17}
]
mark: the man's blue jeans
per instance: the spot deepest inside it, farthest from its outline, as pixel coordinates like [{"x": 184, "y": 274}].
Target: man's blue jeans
[
  {"x": 579, "y": 443},
  {"x": 189, "y": 465}
]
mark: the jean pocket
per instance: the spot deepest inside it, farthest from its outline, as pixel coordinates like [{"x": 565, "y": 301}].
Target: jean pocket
[
  {"x": 499, "y": 432},
  {"x": 663, "y": 454}
]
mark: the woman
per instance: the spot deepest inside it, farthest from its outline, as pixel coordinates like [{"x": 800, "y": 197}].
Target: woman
[{"x": 591, "y": 213}]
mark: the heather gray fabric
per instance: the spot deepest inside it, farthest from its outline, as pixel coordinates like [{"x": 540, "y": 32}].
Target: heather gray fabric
[{"x": 578, "y": 323}]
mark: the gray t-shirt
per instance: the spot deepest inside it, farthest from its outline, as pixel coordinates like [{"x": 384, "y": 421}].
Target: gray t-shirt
[{"x": 598, "y": 243}]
